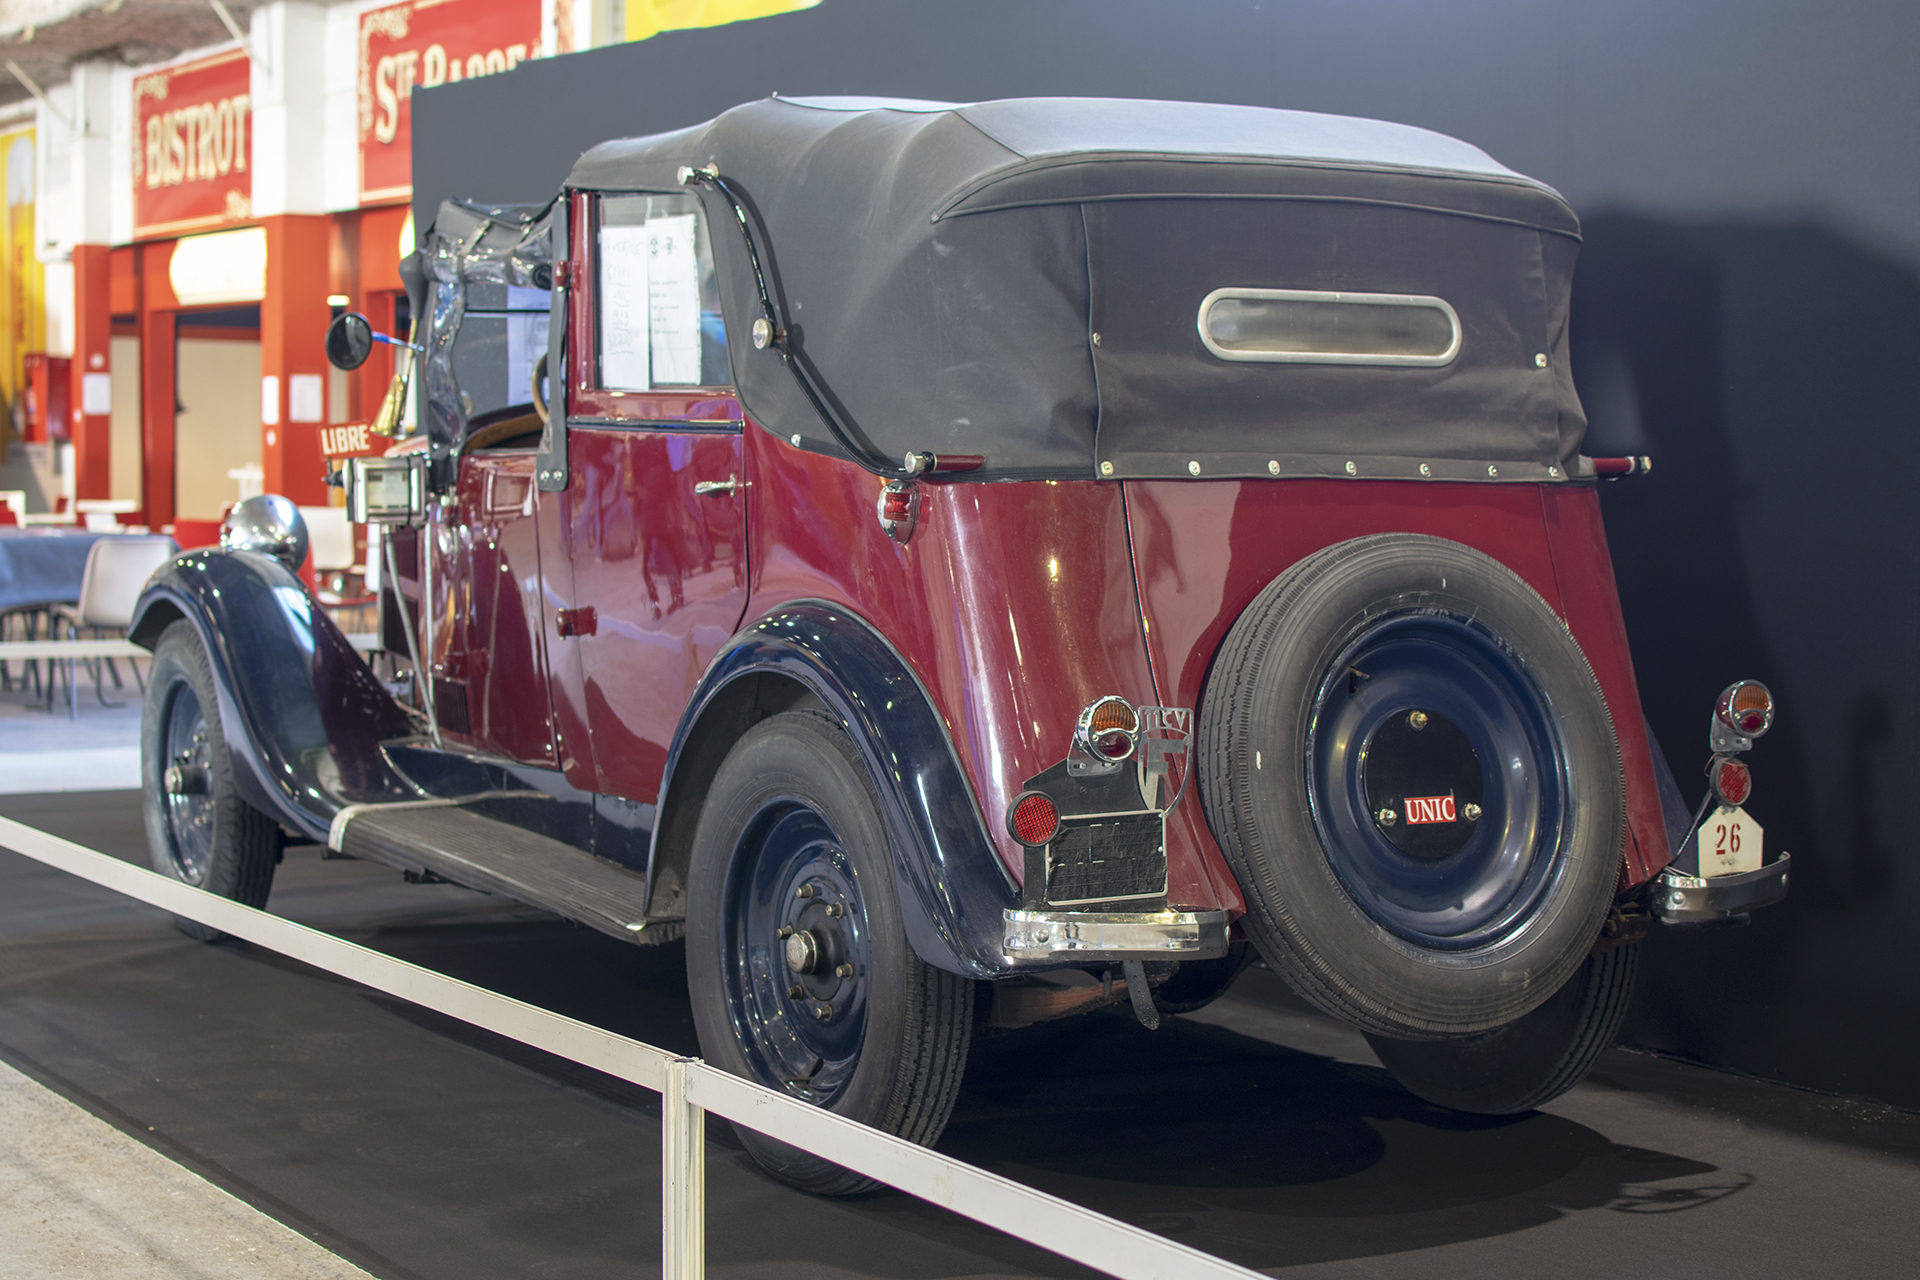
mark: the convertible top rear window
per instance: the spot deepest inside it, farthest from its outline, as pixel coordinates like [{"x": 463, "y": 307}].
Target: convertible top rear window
[{"x": 1299, "y": 326}]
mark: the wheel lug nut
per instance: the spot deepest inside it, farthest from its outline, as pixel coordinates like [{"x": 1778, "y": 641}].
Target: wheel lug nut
[
  {"x": 824, "y": 1012},
  {"x": 843, "y": 971},
  {"x": 804, "y": 891},
  {"x": 1417, "y": 720},
  {"x": 835, "y": 910},
  {"x": 803, "y": 952},
  {"x": 1387, "y": 817},
  {"x": 1471, "y": 813},
  {"x": 795, "y": 991},
  {"x": 784, "y": 931}
]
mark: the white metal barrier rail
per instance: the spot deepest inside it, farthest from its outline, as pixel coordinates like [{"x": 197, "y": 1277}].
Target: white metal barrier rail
[{"x": 689, "y": 1089}]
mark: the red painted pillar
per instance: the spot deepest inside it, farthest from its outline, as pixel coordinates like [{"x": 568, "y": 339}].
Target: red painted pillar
[
  {"x": 92, "y": 351},
  {"x": 293, "y": 359},
  {"x": 159, "y": 364},
  {"x": 157, "y": 360}
]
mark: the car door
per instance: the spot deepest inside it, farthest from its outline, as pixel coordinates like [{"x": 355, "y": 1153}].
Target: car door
[
  {"x": 506, "y": 661},
  {"x": 652, "y": 519}
]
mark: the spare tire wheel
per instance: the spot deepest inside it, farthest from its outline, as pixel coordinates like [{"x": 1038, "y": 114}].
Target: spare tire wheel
[{"x": 1411, "y": 769}]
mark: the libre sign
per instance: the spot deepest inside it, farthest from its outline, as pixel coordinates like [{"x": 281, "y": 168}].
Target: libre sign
[
  {"x": 421, "y": 44},
  {"x": 192, "y": 140}
]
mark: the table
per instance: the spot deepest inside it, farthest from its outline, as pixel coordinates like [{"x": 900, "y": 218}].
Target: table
[{"x": 41, "y": 565}]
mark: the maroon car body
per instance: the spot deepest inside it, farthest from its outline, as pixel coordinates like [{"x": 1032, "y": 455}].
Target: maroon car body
[{"x": 1071, "y": 545}]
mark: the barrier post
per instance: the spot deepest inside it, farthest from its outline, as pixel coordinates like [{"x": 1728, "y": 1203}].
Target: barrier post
[{"x": 683, "y": 1179}]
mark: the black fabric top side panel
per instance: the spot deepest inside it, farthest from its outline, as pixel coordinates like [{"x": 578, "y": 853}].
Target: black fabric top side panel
[
  {"x": 1127, "y": 177},
  {"x": 1167, "y": 404},
  {"x": 948, "y": 339}
]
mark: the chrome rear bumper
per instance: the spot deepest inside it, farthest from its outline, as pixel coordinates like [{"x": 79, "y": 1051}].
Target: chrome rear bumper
[
  {"x": 1696, "y": 900},
  {"x": 1096, "y": 936}
]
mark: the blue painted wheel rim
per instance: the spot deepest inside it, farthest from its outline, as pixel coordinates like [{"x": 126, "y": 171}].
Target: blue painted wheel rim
[
  {"x": 1505, "y": 871},
  {"x": 189, "y": 815},
  {"x": 788, "y": 849}
]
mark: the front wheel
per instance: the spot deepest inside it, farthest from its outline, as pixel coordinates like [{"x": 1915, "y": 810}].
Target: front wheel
[
  {"x": 199, "y": 830},
  {"x": 798, "y": 965}
]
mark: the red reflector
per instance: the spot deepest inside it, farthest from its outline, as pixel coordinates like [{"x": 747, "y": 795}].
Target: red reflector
[
  {"x": 1732, "y": 783},
  {"x": 1034, "y": 819},
  {"x": 897, "y": 506}
]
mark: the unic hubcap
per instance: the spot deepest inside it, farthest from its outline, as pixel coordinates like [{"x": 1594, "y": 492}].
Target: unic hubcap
[
  {"x": 1438, "y": 781},
  {"x": 797, "y": 982}
]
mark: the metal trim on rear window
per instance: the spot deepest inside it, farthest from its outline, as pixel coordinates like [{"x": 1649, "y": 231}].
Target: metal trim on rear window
[{"x": 1303, "y": 326}]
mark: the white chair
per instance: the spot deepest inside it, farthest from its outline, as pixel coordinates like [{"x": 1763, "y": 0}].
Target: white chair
[
  {"x": 330, "y": 537},
  {"x": 117, "y": 570}
]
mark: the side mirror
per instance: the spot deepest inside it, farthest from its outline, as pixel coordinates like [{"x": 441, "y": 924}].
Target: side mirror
[{"x": 349, "y": 341}]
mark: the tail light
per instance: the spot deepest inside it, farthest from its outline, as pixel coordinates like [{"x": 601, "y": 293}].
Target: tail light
[
  {"x": 1032, "y": 819},
  {"x": 899, "y": 509},
  {"x": 1730, "y": 779},
  {"x": 1108, "y": 730},
  {"x": 1746, "y": 708}
]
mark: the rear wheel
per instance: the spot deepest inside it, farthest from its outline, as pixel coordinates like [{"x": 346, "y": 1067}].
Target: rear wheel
[
  {"x": 797, "y": 962},
  {"x": 1531, "y": 1061},
  {"x": 199, "y": 830},
  {"x": 1411, "y": 768}
]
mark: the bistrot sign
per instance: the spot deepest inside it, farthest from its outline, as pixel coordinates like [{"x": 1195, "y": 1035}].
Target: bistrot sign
[
  {"x": 421, "y": 44},
  {"x": 193, "y": 146}
]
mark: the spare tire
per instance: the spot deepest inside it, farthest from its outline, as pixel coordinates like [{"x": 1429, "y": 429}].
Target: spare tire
[{"x": 1410, "y": 766}]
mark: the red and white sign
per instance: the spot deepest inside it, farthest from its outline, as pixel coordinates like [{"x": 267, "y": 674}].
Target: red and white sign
[
  {"x": 1730, "y": 842},
  {"x": 421, "y": 44},
  {"x": 354, "y": 440},
  {"x": 1427, "y": 809},
  {"x": 192, "y": 146}
]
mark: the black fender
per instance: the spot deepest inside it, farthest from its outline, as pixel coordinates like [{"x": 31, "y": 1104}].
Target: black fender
[
  {"x": 953, "y": 886},
  {"x": 304, "y": 717}
]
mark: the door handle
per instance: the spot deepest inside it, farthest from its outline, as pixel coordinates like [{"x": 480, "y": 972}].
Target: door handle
[{"x": 716, "y": 486}]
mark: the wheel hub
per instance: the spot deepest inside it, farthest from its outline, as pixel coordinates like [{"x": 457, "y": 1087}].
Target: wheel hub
[
  {"x": 1422, "y": 780},
  {"x": 1435, "y": 781},
  {"x": 799, "y": 922},
  {"x": 186, "y": 782}
]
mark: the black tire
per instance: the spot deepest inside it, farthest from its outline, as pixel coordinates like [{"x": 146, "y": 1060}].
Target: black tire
[
  {"x": 792, "y": 809},
  {"x": 207, "y": 837},
  {"x": 1321, "y": 698},
  {"x": 1198, "y": 983},
  {"x": 1530, "y": 1061}
]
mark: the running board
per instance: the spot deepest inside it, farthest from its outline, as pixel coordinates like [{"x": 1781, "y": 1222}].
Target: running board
[{"x": 470, "y": 849}]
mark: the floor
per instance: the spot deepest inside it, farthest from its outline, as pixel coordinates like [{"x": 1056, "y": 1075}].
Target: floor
[
  {"x": 415, "y": 1147},
  {"x": 89, "y": 746}
]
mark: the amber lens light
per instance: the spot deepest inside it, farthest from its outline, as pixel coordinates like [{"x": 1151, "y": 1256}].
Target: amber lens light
[
  {"x": 1110, "y": 715},
  {"x": 1033, "y": 819},
  {"x": 1731, "y": 780},
  {"x": 1747, "y": 708}
]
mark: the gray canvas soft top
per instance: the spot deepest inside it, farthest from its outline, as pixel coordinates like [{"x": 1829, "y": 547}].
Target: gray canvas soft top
[{"x": 1023, "y": 279}]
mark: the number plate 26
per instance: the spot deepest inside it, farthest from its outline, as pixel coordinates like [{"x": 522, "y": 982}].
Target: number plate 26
[{"x": 1729, "y": 843}]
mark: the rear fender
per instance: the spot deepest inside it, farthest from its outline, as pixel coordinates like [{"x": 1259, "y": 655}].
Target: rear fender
[
  {"x": 952, "y": 884},
  {"x": 303, "y": 716}
]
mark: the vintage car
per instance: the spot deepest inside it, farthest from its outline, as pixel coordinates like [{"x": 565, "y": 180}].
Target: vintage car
[{"x": 963, "y": 565}]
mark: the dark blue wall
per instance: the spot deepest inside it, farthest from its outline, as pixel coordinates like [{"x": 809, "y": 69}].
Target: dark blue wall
[{"x": 1747, "y": 311}]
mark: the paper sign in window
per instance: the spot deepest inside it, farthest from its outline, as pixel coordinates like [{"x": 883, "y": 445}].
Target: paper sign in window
[
  {"x": 625, "y": 308},
  {"x": 673, "y": 274}
]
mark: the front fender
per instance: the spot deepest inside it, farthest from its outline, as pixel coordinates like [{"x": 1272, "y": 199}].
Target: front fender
[
  {"x": 303, "y": 716},
  {"x": 951, "y": 882}
]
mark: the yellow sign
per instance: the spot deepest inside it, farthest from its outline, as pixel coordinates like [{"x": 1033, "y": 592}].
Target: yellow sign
[
  {"x": 650, "y": 17},
  {"x": 23, "y": 309}
]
